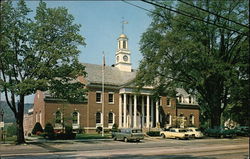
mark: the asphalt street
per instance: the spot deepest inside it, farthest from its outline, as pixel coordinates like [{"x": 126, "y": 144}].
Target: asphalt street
[{"x": 149, "y": 148}]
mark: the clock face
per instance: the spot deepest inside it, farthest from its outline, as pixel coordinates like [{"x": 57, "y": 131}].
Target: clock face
[{"x": 125, "y": 58}]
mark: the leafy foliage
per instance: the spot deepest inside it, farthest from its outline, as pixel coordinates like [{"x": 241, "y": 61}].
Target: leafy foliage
[
  {"x": 49, "y": 131},
  {"x": 206, "y": 60},
  {"x": 11, "y": 130},
  {"x": 37, "y": 129},
  {"x": 38, "y": 54}
]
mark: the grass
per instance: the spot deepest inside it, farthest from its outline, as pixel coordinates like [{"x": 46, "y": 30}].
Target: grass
[
  {"x": 93, "y": 136},
  {"x": 9, "y": 139}
]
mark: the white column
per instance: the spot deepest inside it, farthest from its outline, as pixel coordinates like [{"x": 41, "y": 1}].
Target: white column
[
  {"x": 157, "y": 112},
  {"x": 152, "y": 112},
  {"x": 142, "y": 109},
  {"x": 125, "y": 111},
  {"x": 135, "y": 111},
  {"x": 170, "y": 120},
  {"x": 130, "y": 110},
  {"x": 147, "y": 119},
  {"x": 120, "y": 111}
]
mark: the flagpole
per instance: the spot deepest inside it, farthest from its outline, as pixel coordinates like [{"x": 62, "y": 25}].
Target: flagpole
[{"x": 103, "y": 65}]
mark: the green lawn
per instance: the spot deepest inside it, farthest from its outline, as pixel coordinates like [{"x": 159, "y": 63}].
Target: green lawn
[
  {"x": 93, "y": 136},
  {"x": 10, "y": 140}
]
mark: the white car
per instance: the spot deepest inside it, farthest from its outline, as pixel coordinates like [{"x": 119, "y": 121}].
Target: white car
[
  {"x": 176, "y": 133},
  {"x": 194, "y": 132}
]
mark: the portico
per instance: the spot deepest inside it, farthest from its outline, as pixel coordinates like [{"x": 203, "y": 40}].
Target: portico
[{"x": 137, "y": 110}]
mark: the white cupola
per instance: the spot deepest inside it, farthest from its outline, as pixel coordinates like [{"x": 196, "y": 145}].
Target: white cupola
[{"x": 123, "y": 60}]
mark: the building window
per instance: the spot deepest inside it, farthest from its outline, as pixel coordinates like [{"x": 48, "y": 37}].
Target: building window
[
  {"x": 111, "y": 98},
  {"x": 58, "y": 117},
  {"x": 191, "y": 119},
  {"x": 180, "y": 99},
  {"x": 167, "y": 119},
  {"x": 98, "y": 117},
  {"x": 190, "y": 100},
  {"x": 124, "y": 45},
  {"x": 168, "y": 102},
  {"x": 75, "y": 117},
  {"x": 98, "y": 97},
  {"x": 111, "y": 119}
]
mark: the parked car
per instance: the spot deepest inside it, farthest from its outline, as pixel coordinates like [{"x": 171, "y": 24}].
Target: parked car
[
  {"x": 128, "y": 134},
  {"x": 194, "y": 132},
  {"x": 242, "y": 130},
  {"x": 220, "y": 132},
  {"x": 176, "y": 133}
]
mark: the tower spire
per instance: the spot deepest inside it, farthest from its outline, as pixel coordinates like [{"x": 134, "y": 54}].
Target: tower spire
[{"x": 123, "y": 22}]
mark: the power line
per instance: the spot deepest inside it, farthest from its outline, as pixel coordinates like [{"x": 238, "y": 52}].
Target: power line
[
  {"x": 213, "y": 13},
  {"x": 193, "y": 16}
]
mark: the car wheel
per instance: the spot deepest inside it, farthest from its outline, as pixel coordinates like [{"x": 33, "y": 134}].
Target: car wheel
[
  {"x": 138, "y": 140},
  {"x": 163, "y": 136},
  {"x": 125, "y": 139},
  {"x": 177, "y": 138},
  {"x": 114, "y": 138}
]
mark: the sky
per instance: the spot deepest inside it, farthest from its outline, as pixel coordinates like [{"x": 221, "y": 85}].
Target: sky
[{"x": 101, "y": 26}]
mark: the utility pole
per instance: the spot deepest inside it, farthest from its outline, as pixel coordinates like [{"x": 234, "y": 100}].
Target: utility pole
[{"x": 103, "y": 67}]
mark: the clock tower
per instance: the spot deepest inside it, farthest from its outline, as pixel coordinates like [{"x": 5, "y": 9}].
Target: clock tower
[{"x": 123, "y": 61}]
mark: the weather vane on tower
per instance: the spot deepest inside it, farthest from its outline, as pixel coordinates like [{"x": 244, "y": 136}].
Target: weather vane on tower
[{"x": 123, "y": 22}]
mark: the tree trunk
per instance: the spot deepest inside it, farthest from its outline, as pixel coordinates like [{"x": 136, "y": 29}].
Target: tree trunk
[
  {"x": 216, "y": 117},
  {"x": 19, "y": 121},
  {"x": 214, "y": 87}
]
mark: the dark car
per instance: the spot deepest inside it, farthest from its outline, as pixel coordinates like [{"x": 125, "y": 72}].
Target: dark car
[
  {"x": 128, "y": 134},
  {"x": 242, "y": 130},
  {"x": 220, "y": 132}
]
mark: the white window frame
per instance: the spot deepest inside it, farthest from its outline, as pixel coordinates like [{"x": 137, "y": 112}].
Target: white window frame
[
  {"x": 113, "y": 97},
  {"x": 169, "y": 105},
  {"x": 100, "y": 117},
  {"x": 96, "y": 97},
  {"x": 78, "y": 117}
]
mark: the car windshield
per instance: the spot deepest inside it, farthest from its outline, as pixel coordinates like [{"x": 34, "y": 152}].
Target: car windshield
[
  {"x": 182, "y": 131},
  {"x": 136, "y": 131}
]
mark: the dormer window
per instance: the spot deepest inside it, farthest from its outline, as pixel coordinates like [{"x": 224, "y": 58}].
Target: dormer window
[
  {"x": 190, "y": 99},
  {"x": 180, "y": 99}
]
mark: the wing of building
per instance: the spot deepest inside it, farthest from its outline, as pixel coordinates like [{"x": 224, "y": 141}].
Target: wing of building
[{"x": 122, "y": 105}]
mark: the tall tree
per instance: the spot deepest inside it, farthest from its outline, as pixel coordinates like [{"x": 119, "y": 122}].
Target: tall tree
[
  {"x": 200, "y": 51},
  {"x": 37, "y": 54}
]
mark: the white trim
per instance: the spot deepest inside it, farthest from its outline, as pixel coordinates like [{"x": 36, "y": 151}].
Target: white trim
[
  {"x": 125, "y": 111},
  {"x": 147, "y": 117},
  {"x": 120, "y": 110},
  {"x": 135, "y": 111}
]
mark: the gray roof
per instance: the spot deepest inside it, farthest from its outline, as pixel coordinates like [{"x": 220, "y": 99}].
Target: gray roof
[
  {"x": 113, "y": 76},
  {"x": 181, "y": 91}
]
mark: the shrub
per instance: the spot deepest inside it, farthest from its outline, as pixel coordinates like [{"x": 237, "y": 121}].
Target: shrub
[
  {"x": 37, "y": 129},
  {"x": 68, "y": 129},
  {"x": 11, "y": 130},
  {"x": 153, "y": 133},
  {"x": 81, "y": 130},
  {"x": 114, "y": 128},
  {"x": 99, "y": 130},
  {"x": 49, "y": 131}
]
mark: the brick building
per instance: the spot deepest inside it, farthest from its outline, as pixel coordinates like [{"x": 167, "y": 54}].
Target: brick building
[{"x": 122, "y": 105}]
